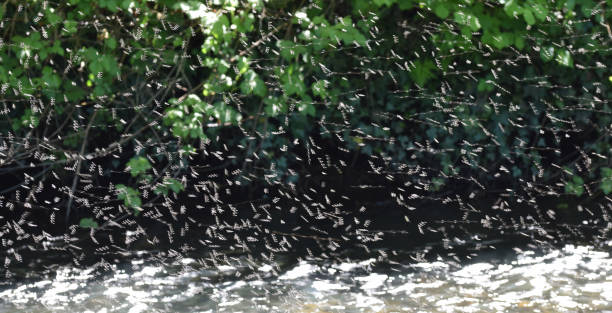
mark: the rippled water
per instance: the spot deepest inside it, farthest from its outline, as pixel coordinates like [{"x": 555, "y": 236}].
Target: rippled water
[{"x": 571, "y": 279}]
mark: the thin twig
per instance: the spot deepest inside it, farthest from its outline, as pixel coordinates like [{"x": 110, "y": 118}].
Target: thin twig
[{"x": 79, "y": 163}]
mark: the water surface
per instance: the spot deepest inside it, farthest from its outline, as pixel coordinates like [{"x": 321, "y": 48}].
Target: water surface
[{"x": 570, "y": 279}]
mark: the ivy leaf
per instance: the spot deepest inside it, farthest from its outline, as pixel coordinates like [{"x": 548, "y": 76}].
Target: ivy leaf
[{"x": 138, "y": 166}]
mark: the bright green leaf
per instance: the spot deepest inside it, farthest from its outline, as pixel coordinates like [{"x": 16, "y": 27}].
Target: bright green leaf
[
  {"x": 564, "y": 58},
  {"x": 441, "y": 10},
  {"x": 138, "y": 165},
  {"x": 529, "y": 18}
]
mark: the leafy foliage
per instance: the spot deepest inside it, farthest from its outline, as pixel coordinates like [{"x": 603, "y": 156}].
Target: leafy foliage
[
  {"x": 149, "y": 104},
  {"x": 169, "y": 184},
  {"x": 130, "y": 197},
  {"x": 138, "y": 166}
]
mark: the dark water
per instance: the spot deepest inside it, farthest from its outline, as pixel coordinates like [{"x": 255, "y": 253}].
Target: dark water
[{"x": 574, "y": 278}]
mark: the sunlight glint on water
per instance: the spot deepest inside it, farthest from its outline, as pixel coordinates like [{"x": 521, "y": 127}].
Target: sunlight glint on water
[{"x": 568, "y": 280}]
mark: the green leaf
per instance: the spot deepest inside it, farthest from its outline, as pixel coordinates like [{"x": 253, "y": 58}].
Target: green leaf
[
  {"x": 381, "y": 3},
  {"x": 174, "y": 184},
  {"x": 512, "y": 8},
  {"x": 606, "y": 186},
  {"x": 422, "y": 72},
  {"x": 309, "y": 109},
  {"x": 88, "y": 223},
  {"x": 275, "y": 106},
  {"x": 485, "y": 85},
  {"x": 406, "y": 4},
  {"x": 193, "y": 9},
  {"x": 564, "y": 58},
  {"x": 161, "y": 189},
  {"x": 539, "y": 9},
  {"x": 606, "y": 181},
  {"x": 547, "y": 53},
  {"x": 467, "y": 19},
  {"x": 529, "y": 18},
  {"x": 53, "y": 18},
  {"x": 169, "y": 183},
  {"x": 252, "y": 84},
  {"x": 519, "y": 42},
  {"x": 318, "y": 89},
  {"x": 441, "y": 10},
  {"x": 138, "y": 166},
  {"x": 222, "y": 112},
  {"x": 50, "y": 79},
  {"x": 293, "y": 81},
  {"x": 246, "y": 23},
  {"x": 243, "y": 65},
  {"x": 130, "y": 197},
  {"x": 290, "y": 50},
  {"x": 499, "y": 40},
  {"x": 578, "y": 180},
  {"x": 70, "y": 27},
  {"x": 575, "y": 186},
  {"x": 220, "y": 27}
]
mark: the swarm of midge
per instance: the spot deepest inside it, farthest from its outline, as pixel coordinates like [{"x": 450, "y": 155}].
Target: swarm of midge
[{"x": 333, "y": 192}]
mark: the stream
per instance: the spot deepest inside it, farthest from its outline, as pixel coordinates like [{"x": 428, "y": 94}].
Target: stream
[{"x": 573, "y": 278}]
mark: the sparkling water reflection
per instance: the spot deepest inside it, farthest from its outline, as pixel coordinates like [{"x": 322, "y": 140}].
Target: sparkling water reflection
[{"x": 572, "y": 279}]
